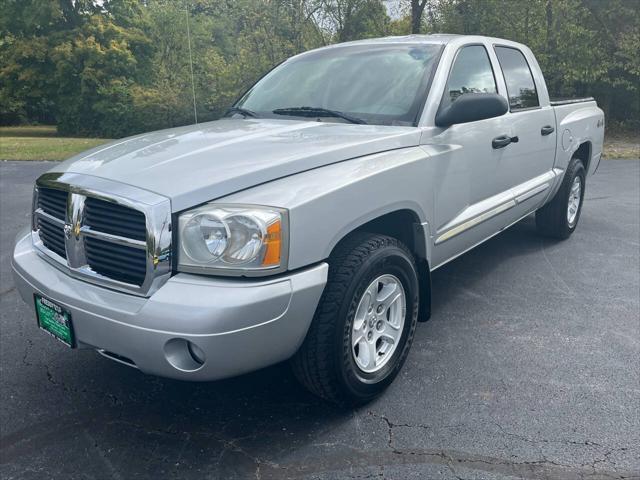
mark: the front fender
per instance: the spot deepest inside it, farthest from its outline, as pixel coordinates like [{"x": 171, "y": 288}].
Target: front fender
[{"x": 327, "y": 203}]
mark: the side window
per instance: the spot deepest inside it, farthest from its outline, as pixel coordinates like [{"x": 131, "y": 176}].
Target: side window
[
  {"x": 517, "y": 74},
  {"x": 471, "y": 73}
]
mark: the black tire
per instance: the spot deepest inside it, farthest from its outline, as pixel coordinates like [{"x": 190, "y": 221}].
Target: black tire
[
  {"x": 551, "y": 220},
  {"x": 325, "y": 364}
]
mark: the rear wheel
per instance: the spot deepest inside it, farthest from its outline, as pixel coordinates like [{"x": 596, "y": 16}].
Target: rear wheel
[
  {"x": 364, "y": 325},
  {"x": 559, "y": 218}
]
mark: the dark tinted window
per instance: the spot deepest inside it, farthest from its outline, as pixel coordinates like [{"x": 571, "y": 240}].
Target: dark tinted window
[
  {"x": 471, "y": 73},
  {"x": 517, "y": 74}
]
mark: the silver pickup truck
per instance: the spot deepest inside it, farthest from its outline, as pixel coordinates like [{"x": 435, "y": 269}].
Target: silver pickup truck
[{"x": 304, "y": 225}]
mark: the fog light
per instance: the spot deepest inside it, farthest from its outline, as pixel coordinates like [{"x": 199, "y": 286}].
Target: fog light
[{"x": 184, "y": 355}]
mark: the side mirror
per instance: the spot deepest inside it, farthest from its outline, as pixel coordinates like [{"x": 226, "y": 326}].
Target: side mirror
[{"x": 471, "y": 107}]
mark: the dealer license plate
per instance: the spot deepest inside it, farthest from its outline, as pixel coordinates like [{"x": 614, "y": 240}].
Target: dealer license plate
[{"x": 54, "y": 319}]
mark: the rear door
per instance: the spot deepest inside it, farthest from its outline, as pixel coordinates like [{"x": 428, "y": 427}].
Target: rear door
[{"x": 532, "y": 120}]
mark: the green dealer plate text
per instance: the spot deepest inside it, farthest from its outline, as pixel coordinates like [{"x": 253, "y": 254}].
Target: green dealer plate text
[{"x": 54, "y": 319}]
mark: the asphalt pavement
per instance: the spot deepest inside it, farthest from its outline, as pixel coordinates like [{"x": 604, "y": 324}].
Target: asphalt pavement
[{"x": 529, "y": 368}]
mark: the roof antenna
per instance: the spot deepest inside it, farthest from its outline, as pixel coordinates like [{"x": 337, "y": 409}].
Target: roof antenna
[{"x": 193, "y": 84}]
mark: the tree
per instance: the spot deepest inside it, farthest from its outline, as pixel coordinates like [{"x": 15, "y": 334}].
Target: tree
[
  {"x": 417, "y": 9},
  {"x": 117, "y": 67},
  {"x": 30, "y": 29},
  {"x": 354, "y": 19},
  {"x": 584, "y": 47},
  {"x": 96, "y": 65}
]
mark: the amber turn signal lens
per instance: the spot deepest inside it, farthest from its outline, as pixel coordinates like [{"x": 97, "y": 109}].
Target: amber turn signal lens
[{"x": 273, "y": 241}]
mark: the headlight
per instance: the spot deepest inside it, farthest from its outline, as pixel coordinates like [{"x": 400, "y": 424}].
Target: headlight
[{"x": 233, "y": 239}]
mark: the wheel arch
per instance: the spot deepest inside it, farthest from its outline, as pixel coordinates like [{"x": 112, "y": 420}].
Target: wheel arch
[
  {"x": 583, "y": 153},
  {"x": 405, "y": 225}
]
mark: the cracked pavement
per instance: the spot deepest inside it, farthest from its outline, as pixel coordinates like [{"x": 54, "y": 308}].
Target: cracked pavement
[{"x": 529, "y": 368}]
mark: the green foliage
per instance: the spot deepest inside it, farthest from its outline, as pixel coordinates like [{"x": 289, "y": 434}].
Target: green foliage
[
  {"x": 95, "y": 68},
  {"x": 118, "y": 67},
  {"x": 354, "y": 19},
  {"x": 584, "y": 47}
]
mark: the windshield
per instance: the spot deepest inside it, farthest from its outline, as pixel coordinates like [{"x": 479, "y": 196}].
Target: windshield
[{"x": 377, "y": 84}]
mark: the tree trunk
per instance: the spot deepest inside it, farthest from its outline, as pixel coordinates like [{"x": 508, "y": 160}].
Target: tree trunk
[
  {"x": 417, "y": 7},
  {"x": 551, "y": 49},
  {"x": 526, "y": 25}
]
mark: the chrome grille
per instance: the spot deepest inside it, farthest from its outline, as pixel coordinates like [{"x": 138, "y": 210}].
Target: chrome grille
[
  {"x": 53, "y": 201},
  {"x": 109, "y": 259},
  {"x": 120, "y": 239},
  {"x": 52, "y": 236},
  {"x": 114, "y": 219}
]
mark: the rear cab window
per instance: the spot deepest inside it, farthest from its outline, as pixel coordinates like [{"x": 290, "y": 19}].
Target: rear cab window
[{"x": 521, "y": 87}]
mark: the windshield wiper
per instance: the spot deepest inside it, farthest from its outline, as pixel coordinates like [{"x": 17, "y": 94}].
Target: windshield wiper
[
  {"x": 242, "y": 111},
  {"x": 317, "y": 112}
]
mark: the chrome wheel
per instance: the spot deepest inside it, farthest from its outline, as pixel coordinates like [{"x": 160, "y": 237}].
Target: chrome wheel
[
  {"x": 378, "y": 323},
  {"x": 574, "y": 201}
]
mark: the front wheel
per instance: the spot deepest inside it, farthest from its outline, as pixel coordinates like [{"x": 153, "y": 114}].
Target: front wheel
[
  {"x": 559, "y": 218},
  {"x": 365, "y": 321}
]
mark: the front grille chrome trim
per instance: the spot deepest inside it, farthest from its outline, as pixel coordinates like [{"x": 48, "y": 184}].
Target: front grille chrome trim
[
  {"x": 74, "y": 241},
  {"x": 109, "y": 237},
  {"x": 41, "y": 213},
  {"x": 157, "y": 246}
]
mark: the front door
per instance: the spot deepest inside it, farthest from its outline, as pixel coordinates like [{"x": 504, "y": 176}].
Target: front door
[{"x": 473, "y": 192}]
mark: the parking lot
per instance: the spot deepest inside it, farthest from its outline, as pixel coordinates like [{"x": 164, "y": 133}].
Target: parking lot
[{"x": 529, "y": 368}]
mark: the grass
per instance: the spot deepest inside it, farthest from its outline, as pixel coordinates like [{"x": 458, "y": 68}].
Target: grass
[
  {"x": 41, "y": 143},
  {"x": 622, "y": 145}
]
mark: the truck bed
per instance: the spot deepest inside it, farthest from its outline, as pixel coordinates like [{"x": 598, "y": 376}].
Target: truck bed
[{"x": 578, "y": 121}]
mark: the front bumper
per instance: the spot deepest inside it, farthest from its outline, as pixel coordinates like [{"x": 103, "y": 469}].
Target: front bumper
[{"x": 241, "y": 325}]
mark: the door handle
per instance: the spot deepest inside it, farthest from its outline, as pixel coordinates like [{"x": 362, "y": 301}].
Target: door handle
[
  {"x": 503, "y": 140},
  {"x": 546, "y": 130}
]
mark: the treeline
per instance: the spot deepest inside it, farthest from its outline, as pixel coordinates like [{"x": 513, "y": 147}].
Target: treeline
[{"x": 118, "y": 67}]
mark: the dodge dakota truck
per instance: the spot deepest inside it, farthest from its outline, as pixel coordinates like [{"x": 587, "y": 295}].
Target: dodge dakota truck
[{"x": 304, "y": 225}]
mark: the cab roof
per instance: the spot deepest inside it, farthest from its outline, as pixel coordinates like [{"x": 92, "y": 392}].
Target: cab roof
[{"x": 438, "y": 38}]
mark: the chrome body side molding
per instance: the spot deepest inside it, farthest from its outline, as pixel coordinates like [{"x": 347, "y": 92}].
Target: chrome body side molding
[
  {"x": 489, "y": 208},
  {"x": 458, "y": 229},
  {"x": 476, "y": 244}
]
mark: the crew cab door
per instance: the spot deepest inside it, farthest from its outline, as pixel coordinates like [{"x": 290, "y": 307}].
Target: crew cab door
[
  {"x": 532, "y": 120},
  {"x": 472, "y": 192}
]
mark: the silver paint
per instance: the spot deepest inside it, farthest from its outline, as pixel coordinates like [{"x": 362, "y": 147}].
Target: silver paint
[
  {"x": 240, "y": 325},
  {"x": 332, "y": 178}
]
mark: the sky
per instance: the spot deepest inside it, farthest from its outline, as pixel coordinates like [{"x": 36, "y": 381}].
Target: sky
[{"x": 394, "y": 7}]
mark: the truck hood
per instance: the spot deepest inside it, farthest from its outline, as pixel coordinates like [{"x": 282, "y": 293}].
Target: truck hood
[{"x": 198, "y": 163}]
